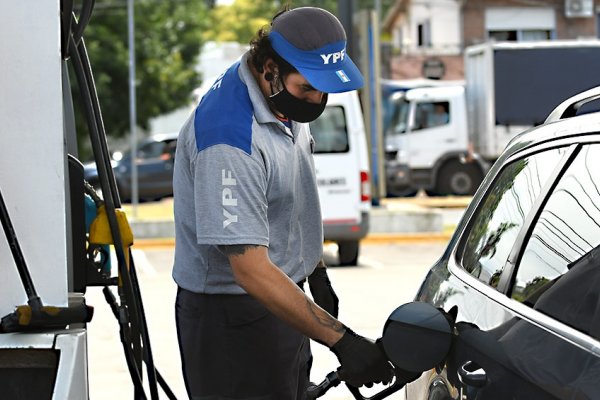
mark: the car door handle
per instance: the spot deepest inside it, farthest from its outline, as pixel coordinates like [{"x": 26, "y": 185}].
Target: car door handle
[{"x": 471, "y": 374}]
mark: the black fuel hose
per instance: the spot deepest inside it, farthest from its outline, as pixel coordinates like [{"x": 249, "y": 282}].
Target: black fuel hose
[
  {"x": 332, "y": 380},
  {"x": 130, "y": 292},
  {"x": 315, "y": 391},
  {"x": 85, "y": 92}
]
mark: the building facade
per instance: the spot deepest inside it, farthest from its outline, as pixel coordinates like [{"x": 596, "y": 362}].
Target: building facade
[{"x": 428, "y": 37}]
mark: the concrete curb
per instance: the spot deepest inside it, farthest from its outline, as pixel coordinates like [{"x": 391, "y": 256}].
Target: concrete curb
[
  {"x": 154, "y": 243},
  {"x": 391, "y": 238},
  {"x": 373, "y": 238},
  {"x": 394, "y": 222}
]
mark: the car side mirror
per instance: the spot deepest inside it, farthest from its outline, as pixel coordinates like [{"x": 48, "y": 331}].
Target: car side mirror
[{"x": 417, "y": 337}]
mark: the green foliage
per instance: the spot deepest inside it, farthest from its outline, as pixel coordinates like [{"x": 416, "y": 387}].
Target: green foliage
[
  {"x": 168, "y": 38},
  {"x": 239, "y": 21},
  {"x": 531, "y": 289}
]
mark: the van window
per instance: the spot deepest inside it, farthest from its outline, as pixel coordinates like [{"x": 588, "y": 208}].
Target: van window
[{"x": 330, "y": 131}]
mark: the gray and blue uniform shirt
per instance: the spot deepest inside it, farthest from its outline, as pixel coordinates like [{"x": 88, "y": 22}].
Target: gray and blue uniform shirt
[{"x": 242, "y": 177}]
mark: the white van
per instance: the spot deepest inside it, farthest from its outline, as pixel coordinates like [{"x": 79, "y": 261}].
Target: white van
[{"x": 342, "y": 164}]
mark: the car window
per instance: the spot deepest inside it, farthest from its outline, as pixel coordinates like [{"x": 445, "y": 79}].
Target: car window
[
  {"x": 170, "y": 148},
  {"x": 151, "y": 150},
  {"x": 497, "y": 223},
  {"x": 330, "y": 131},
  {"x": 566, "y": 232}
]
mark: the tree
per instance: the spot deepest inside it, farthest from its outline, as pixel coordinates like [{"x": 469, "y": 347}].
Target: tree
[
  {"x": 239, "y": 21},
  {"x": 168, "y": 39}
]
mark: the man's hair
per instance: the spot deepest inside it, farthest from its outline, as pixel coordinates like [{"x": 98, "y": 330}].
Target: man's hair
[{"x": 261, "y": 49}]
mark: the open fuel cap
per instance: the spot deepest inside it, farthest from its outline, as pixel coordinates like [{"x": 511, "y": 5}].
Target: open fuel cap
[{"x": 416, "y": 337}]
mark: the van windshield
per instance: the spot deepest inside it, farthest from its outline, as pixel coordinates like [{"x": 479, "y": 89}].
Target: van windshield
[{"x": 330, "y": 131}]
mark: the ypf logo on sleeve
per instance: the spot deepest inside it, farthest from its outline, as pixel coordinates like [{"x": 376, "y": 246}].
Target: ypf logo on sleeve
[
  {"x": 227, "y": 183},
  {"x": 218, "y": 82}
]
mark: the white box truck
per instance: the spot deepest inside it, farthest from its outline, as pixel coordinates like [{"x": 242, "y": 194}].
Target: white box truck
[{"x": 443, "y": 139}]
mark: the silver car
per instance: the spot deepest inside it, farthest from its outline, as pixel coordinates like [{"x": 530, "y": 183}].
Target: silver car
[{"x": 521, "y": 275}]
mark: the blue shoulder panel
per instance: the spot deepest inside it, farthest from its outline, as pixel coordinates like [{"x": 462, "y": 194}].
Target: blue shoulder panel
[{"x": 224, "y": 115}]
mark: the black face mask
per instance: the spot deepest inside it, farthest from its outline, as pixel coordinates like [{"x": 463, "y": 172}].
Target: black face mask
[{"x": 296, "y": 109}]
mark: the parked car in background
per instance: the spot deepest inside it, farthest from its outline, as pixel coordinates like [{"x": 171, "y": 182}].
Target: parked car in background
[
  {"x": 522, "y": 272},
  {"x": 154, "y": 161}
]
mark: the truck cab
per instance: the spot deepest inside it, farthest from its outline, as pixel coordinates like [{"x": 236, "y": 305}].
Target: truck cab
[{"x": 426, "y": 142}]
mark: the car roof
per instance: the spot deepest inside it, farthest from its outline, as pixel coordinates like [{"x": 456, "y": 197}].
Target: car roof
[
  {"x": 159, "y": 137},
  {"x": 585, "y": 124},
  {"x": 563, "y": 122}
]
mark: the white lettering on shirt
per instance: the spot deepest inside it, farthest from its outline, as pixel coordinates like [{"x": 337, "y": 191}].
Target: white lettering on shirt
[
  {"x": 218, "y": 82},
  {"x": 229, "y": 218},
  {"x": 227, "y": 198}
]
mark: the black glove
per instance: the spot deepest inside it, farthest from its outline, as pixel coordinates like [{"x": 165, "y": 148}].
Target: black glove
[
  {"x": 362, "y": 361},
  {"x": 322, "y": 291}
]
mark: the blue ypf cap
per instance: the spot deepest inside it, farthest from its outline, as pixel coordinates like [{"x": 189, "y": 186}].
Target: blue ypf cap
[{"x": 313, "y": 41}]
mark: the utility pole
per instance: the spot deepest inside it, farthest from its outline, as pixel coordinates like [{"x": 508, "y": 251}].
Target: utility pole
[
  {"x": 132, "y": 110},
  {"x": 346, "y": 9}
]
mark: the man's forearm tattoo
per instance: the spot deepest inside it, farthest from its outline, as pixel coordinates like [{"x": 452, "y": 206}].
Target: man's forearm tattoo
[
  {"x": 236, "y": 249},
  {"x": 324, "y": 318}
]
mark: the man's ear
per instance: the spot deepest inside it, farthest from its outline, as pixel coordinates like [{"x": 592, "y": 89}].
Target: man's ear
[{"x": 271, "y": 66}]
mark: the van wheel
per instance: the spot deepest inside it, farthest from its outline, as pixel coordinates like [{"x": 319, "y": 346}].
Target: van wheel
[
  {"x": 458, "y": 179},
  {"x": 348, "y": 252}
]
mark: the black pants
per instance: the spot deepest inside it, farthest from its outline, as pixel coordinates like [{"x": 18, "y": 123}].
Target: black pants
[{"x": 232, "y": 347}]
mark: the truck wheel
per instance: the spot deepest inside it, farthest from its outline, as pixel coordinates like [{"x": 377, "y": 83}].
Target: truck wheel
[
  {"x": 458, "y": 179},
  {"x": 403, "y": 192},
  {"x": 348, "y": 252}
]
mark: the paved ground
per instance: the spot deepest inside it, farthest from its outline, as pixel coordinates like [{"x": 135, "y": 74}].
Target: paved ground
[{"x": 388, "y": 275}]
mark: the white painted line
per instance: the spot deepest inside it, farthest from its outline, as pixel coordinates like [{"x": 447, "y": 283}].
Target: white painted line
[{"x": 142, "y": 263}]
